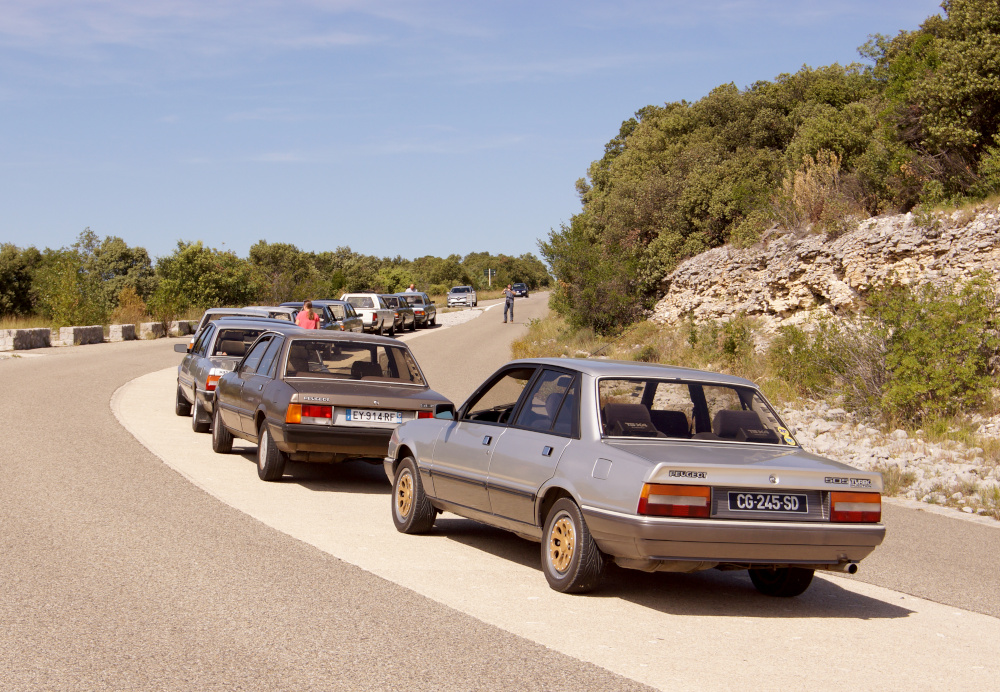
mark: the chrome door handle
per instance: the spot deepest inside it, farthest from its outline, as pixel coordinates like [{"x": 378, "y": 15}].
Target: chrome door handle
[
  {"x": 546, "y": 451},
  {"x": 487, "y": 440}
]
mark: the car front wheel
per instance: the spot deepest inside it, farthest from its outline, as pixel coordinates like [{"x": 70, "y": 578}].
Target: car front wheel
[
  {"x": 222, "y": 439},
  {"x": 571, "y": 559},
  {"x": 182, "y": 407},
  {"x": 412, "y": 512},
  {"x": 270, "y": 459},
  {"x": 783, "y": 582}
]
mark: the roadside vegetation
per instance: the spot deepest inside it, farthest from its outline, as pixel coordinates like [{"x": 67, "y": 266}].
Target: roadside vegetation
[
  {"x": 912, "y": 128},
  {"x": 104, "y": 281}
]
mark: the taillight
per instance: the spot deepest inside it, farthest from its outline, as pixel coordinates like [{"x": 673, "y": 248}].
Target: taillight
[
  {"x": 675, "y": 500},
  {"x": 855, "y": 507},
  {"x": 425, "y": 414},
  {"x": 211, "y": 382},
  {"x": 308, "y": 413}
]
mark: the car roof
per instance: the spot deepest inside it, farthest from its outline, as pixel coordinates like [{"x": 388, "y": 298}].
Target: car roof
[
  {"x": 601, "y": 367},
  {"x": 249, "y": 311},
  {"x": 324, "y": 335},
  {"x": 249, "y": 321}
]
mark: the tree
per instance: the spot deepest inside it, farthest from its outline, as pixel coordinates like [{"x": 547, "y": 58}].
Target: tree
[
  {"x": 16, "y": 267},
  {"x": 194, "y": 276}
]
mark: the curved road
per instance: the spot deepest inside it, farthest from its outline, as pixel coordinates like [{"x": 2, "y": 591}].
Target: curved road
[{"x": 118, "y": 572}]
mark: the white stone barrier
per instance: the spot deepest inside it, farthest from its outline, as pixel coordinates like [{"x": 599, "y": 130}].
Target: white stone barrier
[
  {"x": 151, "y": 330},
  {"x": 121, "y": 332},
  {"x": 23, "y": 339},
  {"x": 78, "y": 336}
]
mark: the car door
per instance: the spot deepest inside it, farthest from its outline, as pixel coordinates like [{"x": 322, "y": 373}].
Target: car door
[
  {"x": 527, "y": 454},
  {"x": 239, "y": 397},
  {"x": 256, "y": 377},
  {"x": 462, "y": 453}
]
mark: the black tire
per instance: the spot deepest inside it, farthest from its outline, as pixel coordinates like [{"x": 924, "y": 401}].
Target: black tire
[
  {"x": 200, "y": 422},
  {"x": 413, "y": 325},
  {"x": 270, "y": 459},
  {"x": 783, "y": 582},
  {"x": 381, "y": 328},
  {"x": 571, "y": 559},
  {"x": 434, "y": 320},
  {"x": 392, "y": 329},
  {"x": 412, "y": 512},
  {"x": 222, "y": 439},
  {"x": 182, "y": 407}
]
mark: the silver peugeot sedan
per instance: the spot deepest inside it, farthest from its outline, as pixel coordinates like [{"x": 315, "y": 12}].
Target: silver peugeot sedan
[{"x": 653, "y": 467}]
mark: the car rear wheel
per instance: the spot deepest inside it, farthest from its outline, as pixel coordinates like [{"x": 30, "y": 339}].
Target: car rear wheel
[
  {"x": 781, "y": 581},
  {"x": 200, "y": 422},
  {"x": 434, "y": 320},
  {"x": 270, "y": 459},
  {"x": 182, "y": 407},
  {"x": 571, "y": 559},
  {"x": 412, "y": 512},
  {"x": 413, "y": 325},
  {"x": 392, "y": 329},
  {"x": 222, "y": 439}
]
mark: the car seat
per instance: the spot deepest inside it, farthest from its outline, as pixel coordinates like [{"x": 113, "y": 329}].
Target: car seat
[
  {"x": 360, "y": 369},
  {"x": 630, "y": 420},
  {"x": 671, "y": 423}
]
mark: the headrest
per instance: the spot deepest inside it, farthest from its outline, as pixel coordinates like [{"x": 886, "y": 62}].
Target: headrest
[
  {"x": 671, "y": 423},
  {"x": 729, "y": 423},
  {"x": 629, "y": 419},
  {"x": 231, "y": 347}
]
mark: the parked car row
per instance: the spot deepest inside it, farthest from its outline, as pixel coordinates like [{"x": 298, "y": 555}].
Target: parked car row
[{"x": 650, "y": 467}]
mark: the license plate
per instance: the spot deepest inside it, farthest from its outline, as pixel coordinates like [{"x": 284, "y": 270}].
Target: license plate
[
  {"x": 368, "y": 415},
  {"x": 786, "y": 503}
]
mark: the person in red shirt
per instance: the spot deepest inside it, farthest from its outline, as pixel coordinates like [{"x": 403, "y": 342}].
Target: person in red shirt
[{"x": 307, "y": 318}]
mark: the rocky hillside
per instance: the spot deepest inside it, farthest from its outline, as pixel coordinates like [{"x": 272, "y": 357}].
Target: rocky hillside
[{"x": 790, "y": 278}]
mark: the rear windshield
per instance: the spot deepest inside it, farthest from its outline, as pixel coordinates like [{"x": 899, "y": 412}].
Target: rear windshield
[
  {"x": 688, "y": 410},
  {"x": 235, "y": 342},
  {"x": 352, "y": 360},
  {"x": 361, "y": 301},
  {"x": 414, "y": 299}
]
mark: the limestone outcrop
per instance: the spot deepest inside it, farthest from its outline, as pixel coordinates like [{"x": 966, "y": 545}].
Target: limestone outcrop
[{"x": 789, "y": 278}]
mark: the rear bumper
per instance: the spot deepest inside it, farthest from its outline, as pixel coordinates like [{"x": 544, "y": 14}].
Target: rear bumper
[
  {"x": 314, "y": 442},
  {"x": 654, "y": 539}
]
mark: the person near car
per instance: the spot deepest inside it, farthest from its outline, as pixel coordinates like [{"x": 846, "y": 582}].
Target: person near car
[
  {"x": 307, "y": 317},
  {"x": 508, "y": 303},
  {"x": 411, "y": 289}
]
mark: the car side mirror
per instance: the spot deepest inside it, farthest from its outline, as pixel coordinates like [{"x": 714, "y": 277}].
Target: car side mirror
[
  {"x": 182, "y": 348},
  {"x": 444, "y": 411}
]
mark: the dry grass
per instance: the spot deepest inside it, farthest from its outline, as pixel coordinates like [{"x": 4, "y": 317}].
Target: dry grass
[{"x": 28, "y": 322}]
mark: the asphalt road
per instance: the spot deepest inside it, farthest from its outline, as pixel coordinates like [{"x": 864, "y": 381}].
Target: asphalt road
[{"x": 119, "y": 573}]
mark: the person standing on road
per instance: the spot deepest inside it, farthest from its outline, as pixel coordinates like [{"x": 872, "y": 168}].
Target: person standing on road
[
  {"x": 307, "y": 318},
  {"x": 508, "y": 303}
]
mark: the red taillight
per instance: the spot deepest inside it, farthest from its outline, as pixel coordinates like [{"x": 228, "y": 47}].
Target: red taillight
[
  {"x": 855, "y": 507},
  {"x": 211, "y": 382},
  {"x": 425, "y": 414},
  {"x": 675, "y": 500},
  {"x": 308, "y": 413}
]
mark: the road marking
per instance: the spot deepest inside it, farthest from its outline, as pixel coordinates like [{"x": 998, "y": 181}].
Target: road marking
[{"x": 717, "y": 632}]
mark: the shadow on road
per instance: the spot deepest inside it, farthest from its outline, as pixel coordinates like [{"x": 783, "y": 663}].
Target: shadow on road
[
  {"x": 710, "y": 592},
  {"x": 357, "y": 477}
]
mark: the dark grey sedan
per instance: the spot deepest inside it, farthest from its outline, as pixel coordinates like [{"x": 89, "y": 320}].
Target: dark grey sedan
[
  {"x": 402, "y": 312},
  {"x": 216, "y": 350},
  {"x": 319, "y": 396}
]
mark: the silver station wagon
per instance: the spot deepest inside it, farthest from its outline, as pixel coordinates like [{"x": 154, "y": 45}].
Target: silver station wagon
[{"x": 650, "y": 466}]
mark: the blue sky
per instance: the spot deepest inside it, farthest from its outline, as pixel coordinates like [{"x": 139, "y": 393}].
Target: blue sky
[{"x": 400, "y": 127}]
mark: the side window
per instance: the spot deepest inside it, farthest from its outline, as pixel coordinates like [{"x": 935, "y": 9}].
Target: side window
[
  {"x": 337, "y": 311},
  {"x": 253, "y": 357},
  {"x": 567, "y": 420},
  {"x": 201, "y": 345},
  {"x": 543, "y": 403},
  {"x": 496, "y": 403},
  {"x": 270, "y": 356}
]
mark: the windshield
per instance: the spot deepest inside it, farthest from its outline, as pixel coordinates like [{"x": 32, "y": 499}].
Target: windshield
[
  {"x": 461, "y": 289},
  {"x": 413, "y": 300},
  {"x": 352, "y": 360},
  {"x": 361, "y": 302},
  {"x": 689, "y": 410}
]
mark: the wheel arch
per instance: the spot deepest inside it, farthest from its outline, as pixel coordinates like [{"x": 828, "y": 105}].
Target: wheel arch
[{"x": 549, "y": 497}]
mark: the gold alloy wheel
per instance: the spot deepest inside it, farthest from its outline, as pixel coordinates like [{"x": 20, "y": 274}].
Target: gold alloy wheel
[
  {"x": 562, "y": 543},
  {"x": 404, "y": 495}
]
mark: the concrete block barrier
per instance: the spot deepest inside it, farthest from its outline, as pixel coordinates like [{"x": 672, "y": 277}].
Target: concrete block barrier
[
  {"x": 24, "y": 339},
  {"x": 121, "y": 332},
  {"x": 180, "y": 328},
  {"x": 78, "y": 336},
  {"x": 151, "y": 330}
]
